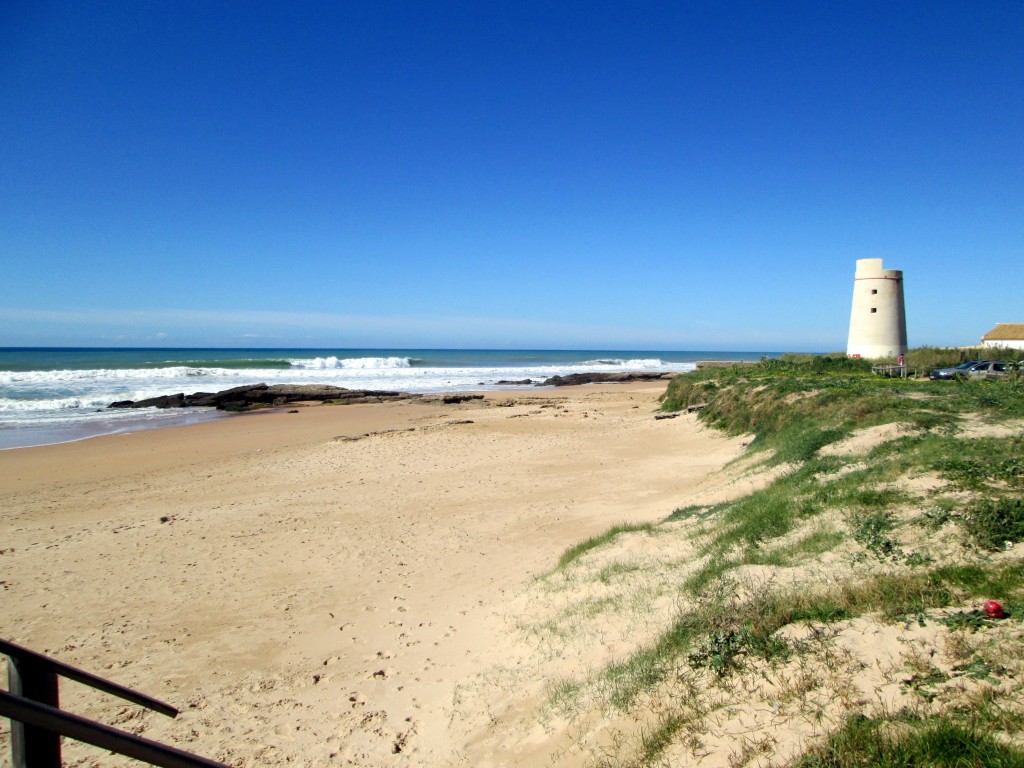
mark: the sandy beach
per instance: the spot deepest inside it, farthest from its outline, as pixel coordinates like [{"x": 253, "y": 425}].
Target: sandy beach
[{"x": 335, "y": 586}]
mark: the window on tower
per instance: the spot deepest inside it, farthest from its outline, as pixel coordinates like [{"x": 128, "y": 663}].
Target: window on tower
[{"x": 873, "y": 310}]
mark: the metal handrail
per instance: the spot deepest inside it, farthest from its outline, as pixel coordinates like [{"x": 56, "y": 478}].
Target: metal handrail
[
  {"x": 99, "y": 735},
  {"x": 32, "y": 704},
  {"x": 87, "y": 678}
]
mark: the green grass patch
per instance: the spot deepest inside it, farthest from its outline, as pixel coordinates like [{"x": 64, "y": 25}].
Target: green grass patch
[
  {"x": 712, "y": 570},
  {"x": 759, "y": 517},
  {"x": 722, "y": 630},
  {"x": 1005, "y": 580},
  {"x": 978, "y": 464},
  {"x": 721, "y": 651},
  {"x": 820, "y": 540},
  {"x": 871, "y": 530},
  {"x": 609, "y": 573},
  {"x": 994, "y": 523},
  {"x": 794, "y": 408},
  {"x": 654, "y": 742},
  {"x": 752, "y": 522},
  {"x": 577, "y": 551},
  {"x": 937, "y": 742},
  {"x": 649, "y": 666},
  {"x": 815, "y": 543},
  {"x": 688, "y": 513}
]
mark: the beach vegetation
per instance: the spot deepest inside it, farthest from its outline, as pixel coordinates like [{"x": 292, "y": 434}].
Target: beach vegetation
[
  {"x": 731, "y": 625},
  {"x": 895, "y": 502},
  {"x": 577, "y": 551},
  {"x": 938, "y": 742},
  {"x": 996, "y": 523},
  {"x": 609, "y": 573},
  {"x": 814, "y": 543}
]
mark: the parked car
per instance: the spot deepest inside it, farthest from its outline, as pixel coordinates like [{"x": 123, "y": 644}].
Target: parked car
[
  {"x": 990, "y": 369},
  {"x": 957, "y": 372}
]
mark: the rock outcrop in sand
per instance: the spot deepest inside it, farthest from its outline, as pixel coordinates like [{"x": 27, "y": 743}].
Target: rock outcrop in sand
[
  {"x": 603, "y": 378},
  {"x": 261, "y": 395},
  {"x": 252, "y": 396}
]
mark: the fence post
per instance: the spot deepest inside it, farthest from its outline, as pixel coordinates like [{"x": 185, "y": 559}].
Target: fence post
[{"x": 33, "y": 747}]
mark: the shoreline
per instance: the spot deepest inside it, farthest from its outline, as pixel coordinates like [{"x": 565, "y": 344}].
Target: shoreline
[
  {"x": 175, "y": 410},
  {"x": 20, "y": 436},
  {"x": 320, "y": 587}
]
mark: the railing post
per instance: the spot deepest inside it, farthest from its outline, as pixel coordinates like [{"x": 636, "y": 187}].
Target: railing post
[{"x": 33, "y": 747}]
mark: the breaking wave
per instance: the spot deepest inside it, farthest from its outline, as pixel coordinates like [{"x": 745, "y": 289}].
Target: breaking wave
[{"x": 325, "y": 363}]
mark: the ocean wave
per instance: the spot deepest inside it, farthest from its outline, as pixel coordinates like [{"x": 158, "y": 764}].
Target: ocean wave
[
  {"x": 76, "y": 393},
  {"x": 245, "y": 364},
  {"x": 634, "y": 364},
  {"x": 324, "y": 363},
  {"x": 11, "y": 378},
  {"x": 15, "y": 405}
]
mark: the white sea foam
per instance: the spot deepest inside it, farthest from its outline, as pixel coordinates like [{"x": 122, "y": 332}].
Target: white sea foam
[
  {"x": 29, "y": 378},
  {"x": 81, "y": 397},
  {"x": 643, "y": 364},
  {"x": 48, "y": 390},
  {"x": 8, "y": 404},
  {"x": 322, "y": 363}
]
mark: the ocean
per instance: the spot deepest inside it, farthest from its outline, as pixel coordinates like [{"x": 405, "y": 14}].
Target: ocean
[{"x": 52, "y": 395}]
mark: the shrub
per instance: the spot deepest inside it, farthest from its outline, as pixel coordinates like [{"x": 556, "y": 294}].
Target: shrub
[{"x": 994, "y": 522}]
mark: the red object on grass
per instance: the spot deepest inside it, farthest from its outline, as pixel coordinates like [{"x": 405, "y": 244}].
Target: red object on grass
[{"x": 993, "y": 609}]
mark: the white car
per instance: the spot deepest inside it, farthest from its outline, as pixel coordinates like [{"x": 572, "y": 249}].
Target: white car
[{"x": 990, "y": 369}]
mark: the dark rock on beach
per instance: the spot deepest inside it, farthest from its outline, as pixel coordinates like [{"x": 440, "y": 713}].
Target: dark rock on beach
[
  {"x": 248, "y": 397},
  {"x": 602, "y": 378},
  {"x": 453, "y": 399},
  {"x": 251, "y": 396},
  {"x": 164, "y": 401}
]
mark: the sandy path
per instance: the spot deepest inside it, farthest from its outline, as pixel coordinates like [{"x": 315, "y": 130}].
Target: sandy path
[{"x": 315, "y": 600}]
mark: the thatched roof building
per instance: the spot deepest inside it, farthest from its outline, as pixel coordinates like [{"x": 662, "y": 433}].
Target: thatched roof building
[{"x": 1005, "y": 335}]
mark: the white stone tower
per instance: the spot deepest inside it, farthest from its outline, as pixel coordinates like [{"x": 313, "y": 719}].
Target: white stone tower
[{"x": 878, "y": 322}]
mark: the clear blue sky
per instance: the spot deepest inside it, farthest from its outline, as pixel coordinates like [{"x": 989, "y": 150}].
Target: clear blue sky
[{"x": 660, "y": 175}]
